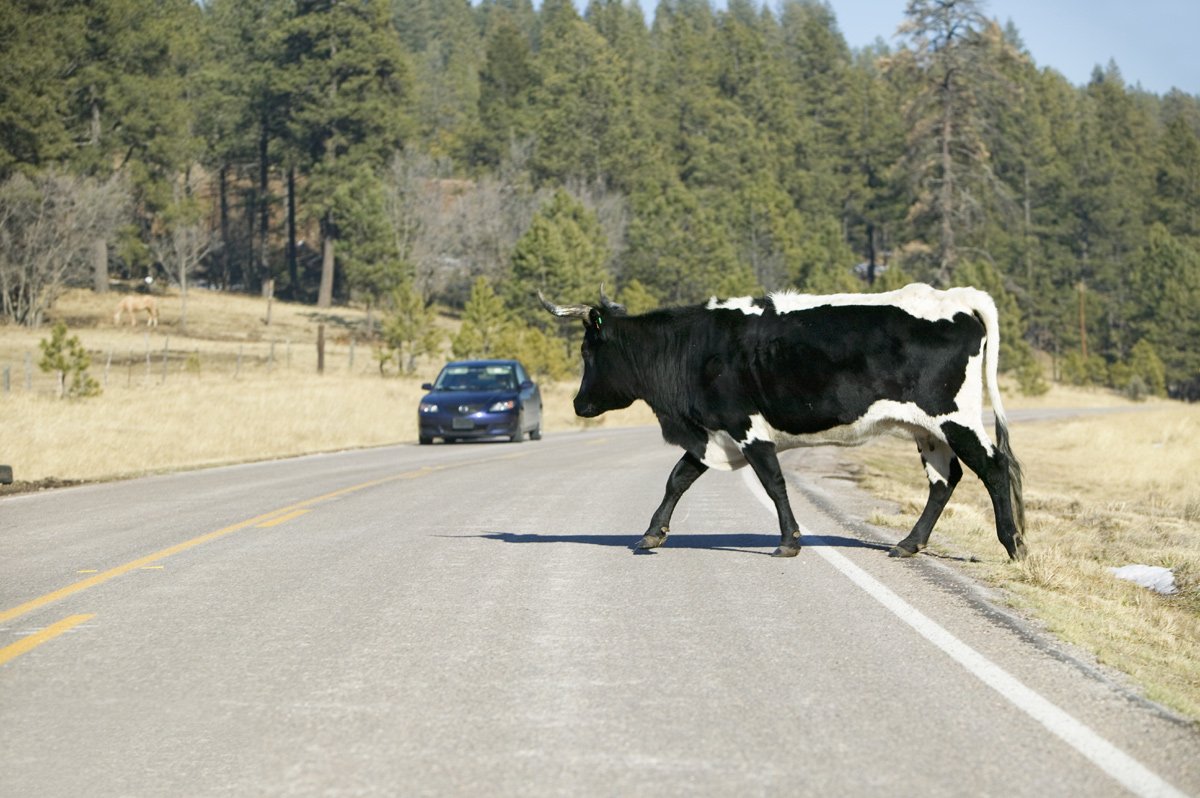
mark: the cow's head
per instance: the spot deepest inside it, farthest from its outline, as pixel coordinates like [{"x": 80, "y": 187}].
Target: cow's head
[{"x": 606, "y": 376}]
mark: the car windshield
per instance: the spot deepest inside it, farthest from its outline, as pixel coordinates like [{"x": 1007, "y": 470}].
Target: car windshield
[{"x": 476, "y": 378}]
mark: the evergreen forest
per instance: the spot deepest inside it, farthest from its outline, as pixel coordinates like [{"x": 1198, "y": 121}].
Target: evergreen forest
[{"x": 409, "y": 155}]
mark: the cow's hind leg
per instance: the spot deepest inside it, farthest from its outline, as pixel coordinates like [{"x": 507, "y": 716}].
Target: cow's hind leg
[
  {"x": 686, "y": 471},
  {"x": 761, "y": 456},
  {"x": 944, "y": 472},
  {"x": 994, "y": 469}
]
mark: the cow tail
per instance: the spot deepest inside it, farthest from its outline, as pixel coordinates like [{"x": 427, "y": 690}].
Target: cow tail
[{"x": 985, "y": 309}]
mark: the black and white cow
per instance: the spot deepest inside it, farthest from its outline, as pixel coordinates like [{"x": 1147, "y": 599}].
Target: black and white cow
[{"x": 735, "y": 381}]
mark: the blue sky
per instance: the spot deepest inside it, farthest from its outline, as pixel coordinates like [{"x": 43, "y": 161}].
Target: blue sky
[{"x": 1154, "y": 42}]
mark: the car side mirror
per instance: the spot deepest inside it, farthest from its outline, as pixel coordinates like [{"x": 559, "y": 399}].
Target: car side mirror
[
  {"x": 525, "y": 386},
  {"x": 427, "y": 386}
]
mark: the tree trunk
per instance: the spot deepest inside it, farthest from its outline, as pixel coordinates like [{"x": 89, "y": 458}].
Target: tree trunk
[
  {"x": 949, "y": 253},
  {"x": 99, "y": 246},
  {"x": 325, "y": 294},
  {"x": 872, "y": 254},
  {"x": 264, "y": 198},
  {"x": 100, "y": 266},
  {"x": 226, "y": 253},
  {"x": 293, "y": 265}
]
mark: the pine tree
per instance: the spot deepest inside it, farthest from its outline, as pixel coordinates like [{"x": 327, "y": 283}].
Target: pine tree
[
  {"x": 346, "y": 81},
  {"x": 39, "y": 40},
  {"x": 947, "y": 161},
  {"x": 66, "y": 358},
  {"x": 446, "y": 79},
  {"x": 1176, "y": 198},
  {"x": 485, "y": 320},
  {"x": 410, "y": 332},
  {"x": 507, "y": 81},
  {"x": 563, "y": 254},
  {"x": 1166, "y": 293},
  {"x": 585, "y": 120},
  {"x": 679, "y": 251}
]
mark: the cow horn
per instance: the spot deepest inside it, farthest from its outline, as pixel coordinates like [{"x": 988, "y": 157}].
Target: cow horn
[
  {"x": 580, "y": 311},
  {"x": 605, "y": 302}
]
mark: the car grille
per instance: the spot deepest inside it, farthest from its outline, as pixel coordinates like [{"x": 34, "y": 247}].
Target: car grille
[{"x": 466, "y": 410}]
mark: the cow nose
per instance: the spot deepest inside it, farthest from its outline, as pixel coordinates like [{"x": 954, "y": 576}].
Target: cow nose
[{"x": 584, "y": 409}]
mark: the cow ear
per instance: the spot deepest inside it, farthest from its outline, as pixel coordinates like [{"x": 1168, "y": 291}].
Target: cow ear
[{"x": 595, "y": 320}]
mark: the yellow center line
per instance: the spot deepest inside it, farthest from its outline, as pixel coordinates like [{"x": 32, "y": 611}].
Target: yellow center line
[
  {"x": 258, "y": 520},
  {"x": 283, "y": 519},
  {"x": 34, "y": 640}
]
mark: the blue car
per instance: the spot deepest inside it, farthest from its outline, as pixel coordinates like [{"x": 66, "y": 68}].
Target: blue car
[{"x": 480, "y": 399}]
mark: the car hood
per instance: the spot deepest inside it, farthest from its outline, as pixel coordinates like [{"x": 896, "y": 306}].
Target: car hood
[{"x": 456, "y": 398}]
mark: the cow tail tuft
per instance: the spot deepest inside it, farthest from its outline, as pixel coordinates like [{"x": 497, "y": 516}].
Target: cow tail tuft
[
  {"x": 985, "y": 309},
  {"x": 1015, "y": 479}
]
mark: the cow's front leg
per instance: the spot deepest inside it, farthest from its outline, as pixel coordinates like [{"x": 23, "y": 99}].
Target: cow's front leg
[
  {"x": 761, "y": 456},
  {"x": 686, "y": 471}
]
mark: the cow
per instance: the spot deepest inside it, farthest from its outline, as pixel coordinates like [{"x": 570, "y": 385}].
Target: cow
[
  {"x": 735, "y": 381},
  {"x": 131, "y": 304}
]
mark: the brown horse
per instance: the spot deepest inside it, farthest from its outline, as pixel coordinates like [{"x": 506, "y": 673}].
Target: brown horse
[{"x": 131, "y": 304}]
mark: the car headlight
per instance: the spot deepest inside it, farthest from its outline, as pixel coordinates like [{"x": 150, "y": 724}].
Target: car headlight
[
  {"x": 505, "y": 405},
  {"x": 428, "y": 407}
]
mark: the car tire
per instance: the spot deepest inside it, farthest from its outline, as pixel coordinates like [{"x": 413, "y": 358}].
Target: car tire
[
  {"x": 519, "y": 436},
  {"x": 536, "y": 435},
  {"x": 424, "y": 440}
]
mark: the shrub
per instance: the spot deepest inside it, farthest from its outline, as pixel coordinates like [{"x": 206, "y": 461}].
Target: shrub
[
  {"x": 67, "y": 358},
  {"x": 1030, "y": 379},
  {"x": 1077, "y": 370}
]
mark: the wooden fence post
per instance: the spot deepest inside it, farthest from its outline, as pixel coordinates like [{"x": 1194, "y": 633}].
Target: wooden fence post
[{"x": 320, "y": 348}]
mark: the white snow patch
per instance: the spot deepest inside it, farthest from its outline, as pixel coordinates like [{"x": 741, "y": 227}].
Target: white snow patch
[{"x": 1154, "y": 577}]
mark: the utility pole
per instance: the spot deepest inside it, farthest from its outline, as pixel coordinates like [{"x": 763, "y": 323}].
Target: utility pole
[{"x": 1082, "y": 320}]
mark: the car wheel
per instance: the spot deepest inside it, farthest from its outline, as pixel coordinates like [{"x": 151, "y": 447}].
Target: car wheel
[
  {"x": 536, "y": 435},
  {"x": 519, "y": 436},
  {"x": 424, "y": 440}
]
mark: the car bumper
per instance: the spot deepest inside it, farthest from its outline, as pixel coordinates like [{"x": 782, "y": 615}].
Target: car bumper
[{"x": 478, "y": 425}]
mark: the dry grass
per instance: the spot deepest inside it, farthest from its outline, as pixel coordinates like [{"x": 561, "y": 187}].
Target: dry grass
[
  {"x": 201, "y": 408},
  {"x": 1101, "y": 491}
]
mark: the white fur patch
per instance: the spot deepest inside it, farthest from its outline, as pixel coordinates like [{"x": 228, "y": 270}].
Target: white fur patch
[
  {"x": 723, "y": 453},
  {"x": 917, "y": 299},
  {"x": 743, "y": 303},
  {"x": 937, "y": 456},
  {"x": 884, "y": 417}
]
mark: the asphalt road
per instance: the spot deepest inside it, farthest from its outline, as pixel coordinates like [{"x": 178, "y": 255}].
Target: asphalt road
[{"x": 470, "y": 620}]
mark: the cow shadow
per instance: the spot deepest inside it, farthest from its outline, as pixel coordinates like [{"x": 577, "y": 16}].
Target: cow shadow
[{"x": 744, "y": 543}]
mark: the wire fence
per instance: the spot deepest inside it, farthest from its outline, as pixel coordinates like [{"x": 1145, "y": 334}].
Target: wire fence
[{"x": 155, "y": 359}]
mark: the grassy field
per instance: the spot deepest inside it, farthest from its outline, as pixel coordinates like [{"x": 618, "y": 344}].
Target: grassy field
[
  {"x": 1101, "y": 491},
  {"x": 231, "y": 389}
]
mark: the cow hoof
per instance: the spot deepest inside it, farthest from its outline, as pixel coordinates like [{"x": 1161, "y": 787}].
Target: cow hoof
[
  {"x": 651, "y": 541},
  {"x": 786, "y": 551},
  {"x": 900, "y": 551}
]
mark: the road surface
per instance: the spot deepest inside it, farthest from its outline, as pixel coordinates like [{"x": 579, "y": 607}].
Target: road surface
[{"x": 470, "y": 620}]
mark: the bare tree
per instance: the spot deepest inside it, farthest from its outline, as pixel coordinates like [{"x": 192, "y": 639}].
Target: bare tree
[
  {"x": 451, "y": 230},
  {"x": 49, "y": 226},
  {"x": 186, "y": 237}
]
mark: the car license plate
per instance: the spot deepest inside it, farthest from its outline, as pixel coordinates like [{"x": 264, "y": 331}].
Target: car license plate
[{"x": 464, "y": 423}]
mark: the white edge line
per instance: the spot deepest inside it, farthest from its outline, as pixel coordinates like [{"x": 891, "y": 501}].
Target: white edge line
[{"x": 1130, "y": 773}]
